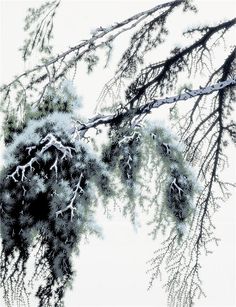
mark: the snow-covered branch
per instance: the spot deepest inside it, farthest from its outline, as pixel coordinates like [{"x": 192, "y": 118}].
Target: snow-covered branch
[
  {"x": 22, "y": 169},
  {"x": 52, "y": 141},
  {"x": 156, "y": 103},
  {"x": 55, "y": 165},
  {"x": 100, "y": 37},
  {"x": 127, "y": 138},
  {"x": 53, "y": 179},
  {"x": 30, "y": 148},
  {"x": 71, "y": 205},
  {"x": 128, "y": 161},
  {"x": 174, "y": 186}
]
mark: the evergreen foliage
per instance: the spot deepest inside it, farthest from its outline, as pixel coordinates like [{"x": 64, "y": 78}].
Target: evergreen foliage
[
  {"x": 56, "y": 172},
  {"x": 48, "y": 195}
]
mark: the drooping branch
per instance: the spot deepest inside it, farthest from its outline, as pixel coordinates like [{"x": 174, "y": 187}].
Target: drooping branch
[
  {"x": 48, "y": 190},
  {"x": 39, "y": 24},
  {"x": 162, "y": 76},
  {"x": 203, "y": 131},
  {"x": 101, "y": 37},
  {"x": 62, "y": 177},
  {"x": 187, "y": 120}
]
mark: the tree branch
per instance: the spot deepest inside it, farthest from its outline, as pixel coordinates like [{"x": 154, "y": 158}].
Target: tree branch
[
  {"x": 156, "y": 103},
  {"x": 155, "y": 75},
  {"x": 50, "y": 140},
  {"x": 98, "y": 34},
  {"x": 71, "y": 204}
]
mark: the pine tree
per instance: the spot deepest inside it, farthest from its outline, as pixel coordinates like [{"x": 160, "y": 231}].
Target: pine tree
[{"x": 57, "y": 171}]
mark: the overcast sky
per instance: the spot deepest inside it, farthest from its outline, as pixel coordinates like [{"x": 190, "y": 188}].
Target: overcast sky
[{"x": 112, "y": 271}]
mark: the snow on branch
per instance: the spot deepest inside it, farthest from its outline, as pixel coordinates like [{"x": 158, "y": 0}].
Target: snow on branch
[
  {"x": 85, "y": 46},
  {"x": 175, "y": 186},
  {"x": 55, "y": 165},
  {"x": 156, "y": 103},
  {"x": 127, "y": 138},
  {"x": 52, "y": 141},
  {"x": 23, "y": 169},
  {"x": 71, "y": 205}
]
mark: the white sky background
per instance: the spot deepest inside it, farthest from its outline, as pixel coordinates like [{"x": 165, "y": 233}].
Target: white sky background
[{"x": 111, "y": 272}]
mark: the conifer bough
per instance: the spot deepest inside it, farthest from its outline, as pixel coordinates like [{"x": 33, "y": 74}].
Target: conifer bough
[{"x": 57, "y": 172}]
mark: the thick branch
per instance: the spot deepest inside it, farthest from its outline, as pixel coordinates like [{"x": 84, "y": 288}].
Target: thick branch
[
  {"x": 156, "y": 103},
  {"x": 166, "y": 66}
]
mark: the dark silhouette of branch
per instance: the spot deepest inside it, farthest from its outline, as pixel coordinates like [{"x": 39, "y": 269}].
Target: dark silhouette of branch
[
  {"x": 156, "y": 103},
  {"x": 101, "y": 37},
  {"x": 56, "y": 171}
]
